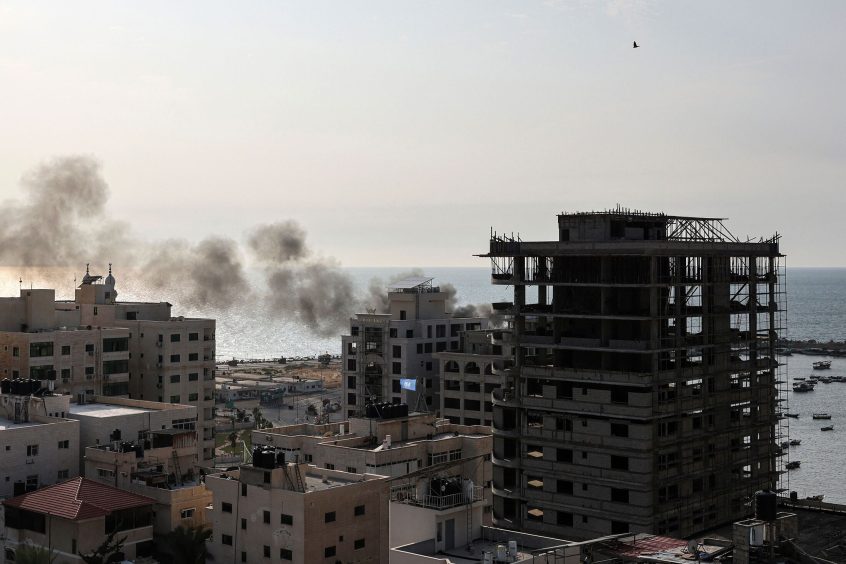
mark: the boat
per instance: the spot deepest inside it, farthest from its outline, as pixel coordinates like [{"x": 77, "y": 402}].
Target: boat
[
  {"x": 821, "y": 416},
  {"x": 822, "y": 364},
  {"x": 795, "y": 442},
  {"x": 785, "y": 444},
  {"x": 793, "y": 415},
  {"x": 828, "y": 428},
  {"x": 802, "y": 387},
  {"x": 792, "y": 465},
  {"x": 818, "y": 497},
  {"x": 825, "y": 380},
  {"x": 799, "y": 378}
]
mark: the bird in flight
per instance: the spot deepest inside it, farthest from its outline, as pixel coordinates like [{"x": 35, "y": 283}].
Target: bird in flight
[{"x": 635, "y": 45}]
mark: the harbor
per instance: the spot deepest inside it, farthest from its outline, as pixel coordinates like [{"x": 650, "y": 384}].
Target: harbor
[{"x": 819, "y": 452}]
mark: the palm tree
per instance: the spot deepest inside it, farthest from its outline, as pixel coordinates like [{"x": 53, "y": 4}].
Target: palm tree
[
  {"x": 34, "y": 555},
  {"x": 188, "y": 544},
  {"x": 106, "y": 551}
]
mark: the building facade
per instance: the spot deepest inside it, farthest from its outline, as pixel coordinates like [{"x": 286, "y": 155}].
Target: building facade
[
  {"x": 645, "y": 387},
  {"x": 95, "y": 345},
  {"x": 385, "y": 351},
  {"x": 470, "y": 375},
  {"x": 298, "y": 513}
]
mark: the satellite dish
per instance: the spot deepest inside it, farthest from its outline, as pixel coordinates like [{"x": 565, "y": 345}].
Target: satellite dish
[{"x": 692, "y": 546}]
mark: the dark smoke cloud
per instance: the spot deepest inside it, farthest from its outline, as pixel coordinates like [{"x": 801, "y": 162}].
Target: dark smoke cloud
[
  {"x": 468, "y": 310},
  {"x": 55, "y": 225},
  {"x": 376, "y": 299},
  {"x": 62, "y": 222},
  {"x": 278, "y": 243}
]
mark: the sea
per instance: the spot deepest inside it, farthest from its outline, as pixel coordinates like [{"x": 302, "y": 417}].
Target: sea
[{"x": 816, "y": 309}]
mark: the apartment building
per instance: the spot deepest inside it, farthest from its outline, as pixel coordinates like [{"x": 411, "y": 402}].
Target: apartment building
[
  {"x": 75, "y": 517},
  {"x": 39, "y": 446},
  {"x": 275, "y": 511},
  {"x": 44, "y": 437},
  {"x": 96, "y": 345},
  {"x": 472, "y": 373},
  {"x": 160, "y": 467},
  {"x": 645, "y": 387},
  {"x": 387, "y": 357},
  {"x": 440, "y": 472}
]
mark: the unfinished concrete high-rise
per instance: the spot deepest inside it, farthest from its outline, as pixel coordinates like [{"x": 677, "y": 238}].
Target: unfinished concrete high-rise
[{"x": 645, "y": 392}]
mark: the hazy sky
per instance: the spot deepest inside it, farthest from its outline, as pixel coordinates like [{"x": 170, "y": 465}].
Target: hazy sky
[{"x": 398, "y": 133}]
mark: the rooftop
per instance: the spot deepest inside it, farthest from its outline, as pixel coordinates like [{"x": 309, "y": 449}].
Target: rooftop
[
  {"x": 105, "y": 410},
  {"x": 78, "y": 499}
]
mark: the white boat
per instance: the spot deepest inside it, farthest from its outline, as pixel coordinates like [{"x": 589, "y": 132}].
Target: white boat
[{"x": 822, "y": 364}]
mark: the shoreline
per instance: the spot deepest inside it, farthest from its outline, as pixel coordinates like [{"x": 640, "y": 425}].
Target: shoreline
[{"x": 812, "y": 347}]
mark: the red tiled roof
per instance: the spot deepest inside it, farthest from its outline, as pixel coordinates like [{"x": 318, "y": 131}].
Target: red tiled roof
[{"x": 78, "y": 499}]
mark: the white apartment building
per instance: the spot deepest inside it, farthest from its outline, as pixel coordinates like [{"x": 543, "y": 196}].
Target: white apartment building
[
  {"x": 272, "y": 511},
  {"x": 43, "y": 437},
  {"x": 388, "y": 357},
  {"x": 96, "y": 345},
  {"x": 39, "y": 446},
  {"x": 471, "y": 374}
]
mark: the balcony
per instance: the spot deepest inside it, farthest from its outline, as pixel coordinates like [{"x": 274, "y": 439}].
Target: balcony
[{"x": 409, "y": 495}]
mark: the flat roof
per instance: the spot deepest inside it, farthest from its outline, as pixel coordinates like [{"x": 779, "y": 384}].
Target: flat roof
[
  {"x": 6, "y": 425},
  {"x": 410, "y": 282},
  {"x": 105, "y": 410}
]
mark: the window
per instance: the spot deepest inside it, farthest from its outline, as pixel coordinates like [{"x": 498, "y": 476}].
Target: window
[
  {"x": 174, "y": 338},
  {"x": 64, "y": 444},
  {"x": 174, "y": 378},
  {"x": 427, "y": 347},
  {"x": 266, "y": 516},
  {"x": 266, "y": 551},
  {"x": 66, "y": 373},
  {"x": 419, "y": 348},
  {"x": 186, "y": 513},
  {"x": 105, "y": 473},
  {"x": 174, "y": 358},
  {"x": 619, "y": 495},
  {"x": 174, "y": 399},
  {"x": 243, "y": 556},
  {"x": 226, "y": 507},
  {"x": 40, "y": 349},
  {"x": 243, "y": 489},
  {"x": 286, "y": 519},
  {"x": 619, "y": 396},
  {"x": 564, "y": 455},
  {"x": 193, "y": 397},
  {"x": 352, "y": 470},
  {"x": 396, "y": 351},
  {"x": 395, "y": 385},
  {"x": 65, "y": 350},
  {"x": 392, "y": 333},
  {"x": 440, "y": 347},
  {"x": 358, "y": 544},
  {"x": 619, "y": 462},
  {"x": 350, "y": 364},
  {"x": 193, "y": 336},
  {"x": 564, "y": 487},
  {"x": 329, "y": 517},
  {"x": 89, "y": 347},
  {"x": 359, "y": 510},
  {"x": 243, "y": 523},
  {"x": 63, "y": 475},
  {"x": 402, "y": 318},
  {"x": 409, "y": 333},
  {"x": 396, "y": 368},
  {"x": 286, "y": 554},
  {"x": 193, "y": 377},
  {"x": 32, "y": 450},
  {"x": 193, "y": 356},
  {"x": 89, "y": 371},
  {"x": 440, "y": 331},
  {"x": 226, "y": 539},
  {"x": 16, "y": 351},
  {"x": 619, "y": 430}
]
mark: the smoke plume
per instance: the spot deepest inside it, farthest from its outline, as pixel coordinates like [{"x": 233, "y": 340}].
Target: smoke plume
[{"x": 61, "y": 221}]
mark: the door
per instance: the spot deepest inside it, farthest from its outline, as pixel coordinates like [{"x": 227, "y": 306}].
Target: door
[{"x": 449, "y": 540}]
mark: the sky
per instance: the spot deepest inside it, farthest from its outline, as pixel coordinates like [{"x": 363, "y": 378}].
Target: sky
[{"x": 400, "y": 133}]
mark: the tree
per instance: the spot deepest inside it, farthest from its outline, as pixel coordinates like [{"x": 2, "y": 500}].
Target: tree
[
  {"x": 233, "y": 439},
  {"x": 188, "y": 544},
  {"x": 34, "y": 555},
  {"x": 104, "y": 553}
]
